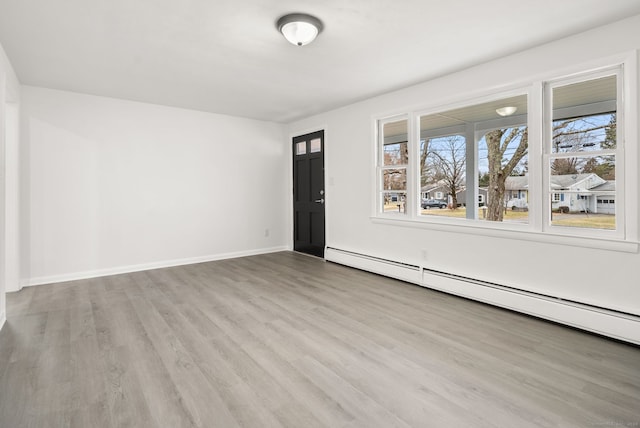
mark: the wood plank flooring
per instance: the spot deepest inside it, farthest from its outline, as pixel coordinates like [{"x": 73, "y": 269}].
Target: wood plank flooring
[{"x": 286, "y": 340}]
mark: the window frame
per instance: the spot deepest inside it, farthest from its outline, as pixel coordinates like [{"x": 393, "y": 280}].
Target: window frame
[
  {"x": 538, "y": 229},
  {"x": 548, "y": 155},
  {"x": 470, "y": 133},
  {"x": 438, "y": 134},
  {"x": 381, "y": 167}
]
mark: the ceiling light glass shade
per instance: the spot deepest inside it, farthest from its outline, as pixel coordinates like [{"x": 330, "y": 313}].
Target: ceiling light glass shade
[
  {"x": 506, "y": 111},
  {"x": 299, "y": 29}
]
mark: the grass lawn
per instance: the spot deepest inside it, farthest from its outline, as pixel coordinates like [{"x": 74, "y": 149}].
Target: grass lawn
[
  {"x": 588, "y": 221},
  {"x": 519, "y": 216}
]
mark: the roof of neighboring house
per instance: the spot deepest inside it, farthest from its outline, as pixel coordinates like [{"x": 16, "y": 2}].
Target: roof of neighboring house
[
  {"x": 566, "y": 181},
  {"x": 481, "y": 190},
  {"x": 517, "y": 182},
  {"x": 608, "y": 186},
  {"x": 433, "y": 186},
  {"x": 557, "y": 181}
]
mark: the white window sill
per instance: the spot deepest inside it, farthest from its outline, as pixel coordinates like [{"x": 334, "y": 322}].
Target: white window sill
[{"x": 507, "y": 231}]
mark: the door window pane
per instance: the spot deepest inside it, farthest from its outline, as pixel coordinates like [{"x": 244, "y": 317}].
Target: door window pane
[
  {"x": 301, "y": 148},
  {"x": 316, "y": 145}
]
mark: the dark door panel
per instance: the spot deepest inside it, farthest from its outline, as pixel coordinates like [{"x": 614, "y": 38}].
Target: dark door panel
[{"x": 308, "y": 194}]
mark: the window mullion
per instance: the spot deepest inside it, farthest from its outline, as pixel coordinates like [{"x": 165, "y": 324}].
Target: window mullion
[
  {"x": 471, "y": 201},
  {"x": 413, "y": 176},
  {"x": 539, "y": 205}
]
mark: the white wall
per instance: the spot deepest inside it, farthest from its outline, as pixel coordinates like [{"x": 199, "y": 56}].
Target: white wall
[
  {"x": 116, "y": 186},
  {"x": 608, "y": 280},
  {"x": 12, "y": 196},
  {"x": 9, "y": 99}
]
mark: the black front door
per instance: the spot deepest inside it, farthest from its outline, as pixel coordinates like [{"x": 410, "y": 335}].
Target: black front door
[{"x": 308, "y": 193}]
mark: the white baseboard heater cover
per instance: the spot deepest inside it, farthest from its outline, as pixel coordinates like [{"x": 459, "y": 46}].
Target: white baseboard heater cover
[
  {"x": 390, "y": 268},
  {"x": 617, "y": 325}
]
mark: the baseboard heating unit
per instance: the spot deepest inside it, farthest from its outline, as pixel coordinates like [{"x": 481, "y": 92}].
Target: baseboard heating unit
[
  {"x": 614, "y": 324},
  {"x": 390, "y": 268}
]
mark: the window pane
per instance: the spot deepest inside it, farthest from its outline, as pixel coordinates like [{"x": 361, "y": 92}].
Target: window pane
[
  {"x": 301, "y": 148},
  {"x": 394, "y": 179},
  {"x": 584, "y": 116},
  {"x": 316, "y": 145},
  {"x": 502, "y": 153},
  {"x": 586, "y": 133},
  {"x": 393, "y": 202},
  {"x": 393, "y": 160},
  {"x": 395, "y": 154},
  {"x": 583, "y": 192},
  {"x": 503, "y": 167},
  {"x": 582, "y": 172},
  {"x": 394, "y": 145},
  {"x": 443, "y": 172}
]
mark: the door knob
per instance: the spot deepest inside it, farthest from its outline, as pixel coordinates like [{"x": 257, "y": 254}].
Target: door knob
[{"x": 320, "y": 201}]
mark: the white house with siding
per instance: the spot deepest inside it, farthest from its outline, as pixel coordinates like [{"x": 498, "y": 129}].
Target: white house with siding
[{"x": 571, "y": 192}]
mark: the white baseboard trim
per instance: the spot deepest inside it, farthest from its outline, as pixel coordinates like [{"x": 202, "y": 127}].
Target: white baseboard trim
[
  {"x": 610, "y": 323},
  {"x": 148, "y": 266}
]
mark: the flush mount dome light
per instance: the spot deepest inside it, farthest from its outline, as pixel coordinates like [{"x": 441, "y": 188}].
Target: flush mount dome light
[
  {"x": 506, "y": 111},
  {"x": 298, "y": 28}
]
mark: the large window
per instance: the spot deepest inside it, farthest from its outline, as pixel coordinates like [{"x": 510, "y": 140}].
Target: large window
[
  {"x": 583, "y": 151},
  {"x": 501, "y": 163},
  {"x": 474, "y": 161}
]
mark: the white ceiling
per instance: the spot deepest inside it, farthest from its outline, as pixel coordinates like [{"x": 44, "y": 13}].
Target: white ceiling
[{"x": 226, "y": 56}]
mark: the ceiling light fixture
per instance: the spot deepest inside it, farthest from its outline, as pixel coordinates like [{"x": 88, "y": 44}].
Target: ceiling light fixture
[
  {"x": 506, "y": 111},
  {"x": 298, "y": 28}
]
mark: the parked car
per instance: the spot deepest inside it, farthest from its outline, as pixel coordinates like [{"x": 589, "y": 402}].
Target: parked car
[{"x": 433, "y": 203}]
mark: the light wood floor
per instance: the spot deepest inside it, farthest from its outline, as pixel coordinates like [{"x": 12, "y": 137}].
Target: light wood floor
[{"x": 286, "y": 340}]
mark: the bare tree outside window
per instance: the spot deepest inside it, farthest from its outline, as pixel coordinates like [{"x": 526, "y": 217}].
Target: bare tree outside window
[
  {"x": 506, "y": 149},
  {"x": 446, "y": 162}
]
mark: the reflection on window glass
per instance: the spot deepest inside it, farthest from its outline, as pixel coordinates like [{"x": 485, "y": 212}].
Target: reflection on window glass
[
  {"x": 394, "y": 160},
  {"x": 301, "y": 148},
  {"x": 582, "y": 162},
  {"x": 316, "y": 145}
]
